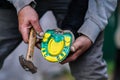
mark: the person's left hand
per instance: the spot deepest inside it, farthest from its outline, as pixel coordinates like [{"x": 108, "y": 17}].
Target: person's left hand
[{"x": 81, "y": 44}]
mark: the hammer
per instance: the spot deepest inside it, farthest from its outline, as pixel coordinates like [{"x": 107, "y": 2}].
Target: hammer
[{"x": 27, "y": 63}]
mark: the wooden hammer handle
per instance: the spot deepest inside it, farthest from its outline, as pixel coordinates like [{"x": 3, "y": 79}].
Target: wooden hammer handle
[{"x": 31, "y": 45}]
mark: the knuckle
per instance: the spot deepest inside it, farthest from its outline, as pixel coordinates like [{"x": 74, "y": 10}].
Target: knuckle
[{"x": 34, "y": 20}]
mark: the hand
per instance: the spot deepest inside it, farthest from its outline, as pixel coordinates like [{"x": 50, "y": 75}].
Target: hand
[
  {"x": 81, "y": 44},
  {"x": 28, "y": 17}
]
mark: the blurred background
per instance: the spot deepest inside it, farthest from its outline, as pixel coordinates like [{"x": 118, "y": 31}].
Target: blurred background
[
  {"x": 110, "y": 48},
  {"x": 12, "y": 70}
]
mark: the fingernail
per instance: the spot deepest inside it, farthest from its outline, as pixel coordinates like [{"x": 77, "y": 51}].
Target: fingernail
[
  {"x": 41, "y": 34},
  {"x": 72, "y": 49}
]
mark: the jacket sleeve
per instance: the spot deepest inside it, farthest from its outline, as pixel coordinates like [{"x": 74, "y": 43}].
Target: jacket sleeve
[
  {"x": 97, "y": 17},
  {"x": 19, "y": 4}
]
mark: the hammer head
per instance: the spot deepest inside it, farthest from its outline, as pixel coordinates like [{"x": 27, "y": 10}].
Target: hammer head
[{"x": 27, "y": 65}]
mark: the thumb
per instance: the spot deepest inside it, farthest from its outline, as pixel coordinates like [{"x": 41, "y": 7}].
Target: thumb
[
  {"x": 72, "y": 48},
  {"x": 76, "y": 45}
]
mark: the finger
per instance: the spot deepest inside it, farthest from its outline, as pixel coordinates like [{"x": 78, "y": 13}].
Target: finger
[
  {"x": 69, "y": 59},
  {"x": 37, "y": 27},
  {"x": 72, "y": 48},
  {"x": 73, "y": 57},
  {"x": 75, "y": 48},
  {"x": 25, "y": 33},
  {"x": 81, "y": 44},
  {"x": 76, "y": 45},
  {"x": 40, "y": 37},
  {"x": 38, "y": 41}
]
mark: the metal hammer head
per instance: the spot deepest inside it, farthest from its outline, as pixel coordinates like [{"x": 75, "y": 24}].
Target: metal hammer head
[{"x": 27, "y": 65}]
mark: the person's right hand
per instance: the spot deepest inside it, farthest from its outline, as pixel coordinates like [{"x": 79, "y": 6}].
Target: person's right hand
[{"x": 28, "y": 17}]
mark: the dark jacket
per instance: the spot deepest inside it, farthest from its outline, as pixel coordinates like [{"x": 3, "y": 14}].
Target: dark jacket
[
  {"x": 6, "y": 4},
  {"x": 75, "y": 15}
]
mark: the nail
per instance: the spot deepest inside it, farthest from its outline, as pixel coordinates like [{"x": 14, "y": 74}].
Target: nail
[
  {"x": 72, "y": 48},
  {"x": 41, "y": 34}
]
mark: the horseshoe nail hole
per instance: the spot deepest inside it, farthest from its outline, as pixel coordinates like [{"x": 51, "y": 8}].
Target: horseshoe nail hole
[{"x": 30, "y": 56}]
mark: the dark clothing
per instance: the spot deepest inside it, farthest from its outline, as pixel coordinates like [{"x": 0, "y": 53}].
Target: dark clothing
[
  {"x": 117, "y": 66},
  {"x": 75, "y": 16},
  {"x": 4, "y": 4},
  {"x": 9, "y": 34}
]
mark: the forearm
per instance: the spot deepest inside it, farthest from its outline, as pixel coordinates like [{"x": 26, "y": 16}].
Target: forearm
[
  {"x": 97, "y": 17},
  {"x": 19, "y": 4}
]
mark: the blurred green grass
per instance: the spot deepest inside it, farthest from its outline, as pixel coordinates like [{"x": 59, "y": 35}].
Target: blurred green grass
[{"x": 110, "y": 67}]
